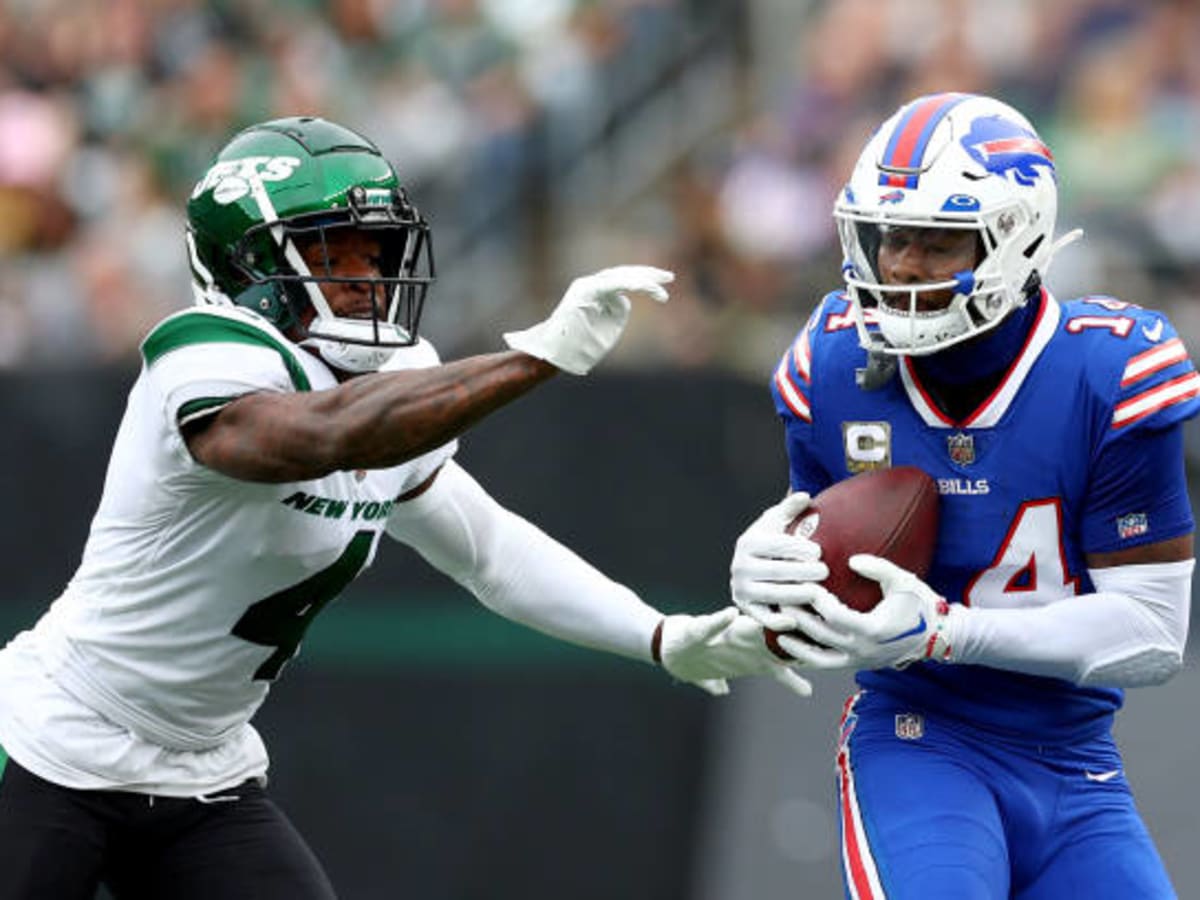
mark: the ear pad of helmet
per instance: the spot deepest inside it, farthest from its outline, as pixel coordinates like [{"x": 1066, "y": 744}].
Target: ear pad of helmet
[{"x": 273, "y": 301}]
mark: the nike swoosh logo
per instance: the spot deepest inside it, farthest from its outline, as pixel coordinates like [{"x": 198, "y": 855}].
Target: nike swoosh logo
[
  {"x": 1101, "y": 776},
  {"x": 1154, "y": 332},
  {"x": 916, "y": 629}
]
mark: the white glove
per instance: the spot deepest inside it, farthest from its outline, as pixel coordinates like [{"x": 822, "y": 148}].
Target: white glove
[
  {"x": 769, "y": 565},
  {"x": 706, "y": 650},
  {"x": 912, "y": 622},
  {"x": 589, "y": 319}
]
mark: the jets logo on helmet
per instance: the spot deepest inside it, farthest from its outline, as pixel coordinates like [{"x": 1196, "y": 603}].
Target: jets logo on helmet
[
  {"x": 232, "y": 179},
  {"x": 263, "y": 218}
]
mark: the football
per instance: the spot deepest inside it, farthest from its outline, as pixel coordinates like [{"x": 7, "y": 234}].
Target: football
[{"x": 891, "y": 513}]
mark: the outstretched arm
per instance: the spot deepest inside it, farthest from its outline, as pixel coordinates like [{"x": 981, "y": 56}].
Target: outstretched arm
[
  {"x": 383, "y": 419},
  {"x": 369, "y": 422},
  {"x": 518, "y": 571}
]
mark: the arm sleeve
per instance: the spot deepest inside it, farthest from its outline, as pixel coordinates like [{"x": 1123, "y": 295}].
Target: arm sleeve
[
  {"x": 1132, "y": 630},
  {"x": 517, "y": 570},
  {"x": 1130, "y": 633}
]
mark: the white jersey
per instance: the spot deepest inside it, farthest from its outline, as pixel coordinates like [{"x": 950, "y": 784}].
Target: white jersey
[{"x": 195, "y": 589}]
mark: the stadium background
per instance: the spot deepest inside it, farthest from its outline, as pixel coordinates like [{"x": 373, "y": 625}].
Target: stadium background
[{"x": 426, "y": 748}]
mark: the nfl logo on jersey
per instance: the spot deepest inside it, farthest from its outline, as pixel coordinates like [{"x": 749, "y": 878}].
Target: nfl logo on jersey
[
  {"x": 910, "y": 726},
  {"x": 1132, "y": 525},
  {"x": 961, "y": 448}
]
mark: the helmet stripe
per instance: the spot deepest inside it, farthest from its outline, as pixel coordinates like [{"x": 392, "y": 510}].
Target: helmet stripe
[
  {"x": 910, "y": 139},
  {"x": 291, "y": 253},
  {"x": 198, "y": 267}
]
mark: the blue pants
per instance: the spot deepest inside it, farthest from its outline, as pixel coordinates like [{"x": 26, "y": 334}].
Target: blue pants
[{"x": 931, "y": 808}]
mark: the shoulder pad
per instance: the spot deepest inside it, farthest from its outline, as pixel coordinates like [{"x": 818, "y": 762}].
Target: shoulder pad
[
  {"x": 1141, "y": 352},
  {"x": 830, "y": 330},
  {"x": 221, "y": 324}
]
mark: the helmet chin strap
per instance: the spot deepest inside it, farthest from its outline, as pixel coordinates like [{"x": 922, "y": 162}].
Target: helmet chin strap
[
  {"x": 350, "y": 345},
  {"x": 353, "y": 358},
  {"x": 877, "y": 372}
]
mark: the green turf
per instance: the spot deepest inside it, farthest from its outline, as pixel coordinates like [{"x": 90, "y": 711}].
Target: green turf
[{"x": 432, "y": 631}]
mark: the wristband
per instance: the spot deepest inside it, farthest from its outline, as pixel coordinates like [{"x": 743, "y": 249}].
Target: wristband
[{"x": 656, "y": 642}]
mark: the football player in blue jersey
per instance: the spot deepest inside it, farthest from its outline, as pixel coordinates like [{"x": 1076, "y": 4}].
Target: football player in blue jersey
[{"x": 976, "y": 759}]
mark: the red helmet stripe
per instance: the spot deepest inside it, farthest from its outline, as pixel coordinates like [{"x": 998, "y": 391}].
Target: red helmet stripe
[{"x": 907, "y": 145}]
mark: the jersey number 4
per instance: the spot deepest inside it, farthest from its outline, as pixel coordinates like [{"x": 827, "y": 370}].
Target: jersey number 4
[
  {"x": 1030, "y": 567},
  {"x": 280, "y": 620}
]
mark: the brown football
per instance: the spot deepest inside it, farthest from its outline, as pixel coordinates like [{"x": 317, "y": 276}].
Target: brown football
[{"x": 891, "y": 513}]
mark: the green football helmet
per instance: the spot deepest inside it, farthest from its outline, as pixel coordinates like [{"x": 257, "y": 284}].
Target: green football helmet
[{"x": 283, "y": 191}]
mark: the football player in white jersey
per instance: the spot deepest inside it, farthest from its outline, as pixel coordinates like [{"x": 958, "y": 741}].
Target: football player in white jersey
[{"x": 276, "y": 432}]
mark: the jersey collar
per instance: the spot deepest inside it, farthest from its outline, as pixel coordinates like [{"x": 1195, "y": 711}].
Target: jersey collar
[{"x": 996, "y": 405}]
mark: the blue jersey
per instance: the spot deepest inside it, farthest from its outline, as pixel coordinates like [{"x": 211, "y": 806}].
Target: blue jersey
[{"x": 1027, "y": 480}]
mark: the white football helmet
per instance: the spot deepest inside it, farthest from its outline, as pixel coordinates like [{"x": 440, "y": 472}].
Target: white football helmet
[{"x": 949, "y": 161}]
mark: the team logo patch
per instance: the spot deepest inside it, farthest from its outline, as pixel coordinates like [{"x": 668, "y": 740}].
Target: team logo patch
[
  {"x": 961, "y": 448},
  {"x": 1002, "y": 147},
  {"x": 1132, "y": 525},
  {"x": 891, "y": 197},
  {"x": 961, "y": 203},
  {"x": 910, "y": 726},
  {"x": 868, "y": 445},
  {"x": 232, "y": 179},
  {"x": 963, "y": 487}
]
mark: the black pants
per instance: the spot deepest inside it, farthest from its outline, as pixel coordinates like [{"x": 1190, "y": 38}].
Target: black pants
[{"x": 61, "y": 844}]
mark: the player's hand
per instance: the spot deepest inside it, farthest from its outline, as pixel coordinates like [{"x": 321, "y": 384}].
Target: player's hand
[
  {"x": 772, "y": 568},
  {"x": 912, "y": 622},
  {"x": 589, "y": 320},
  {"x": 805, "y": 636},
  {"x": 707, "y": 650}
]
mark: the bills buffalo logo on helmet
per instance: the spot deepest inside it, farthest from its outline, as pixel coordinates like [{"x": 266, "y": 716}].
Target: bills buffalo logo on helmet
[{"x": 1002, "y": 146}]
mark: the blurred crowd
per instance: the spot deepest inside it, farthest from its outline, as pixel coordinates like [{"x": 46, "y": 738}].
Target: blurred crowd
[
  {"x": 1113, "y": 86},
  {"x": 111, "y": 109}
]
